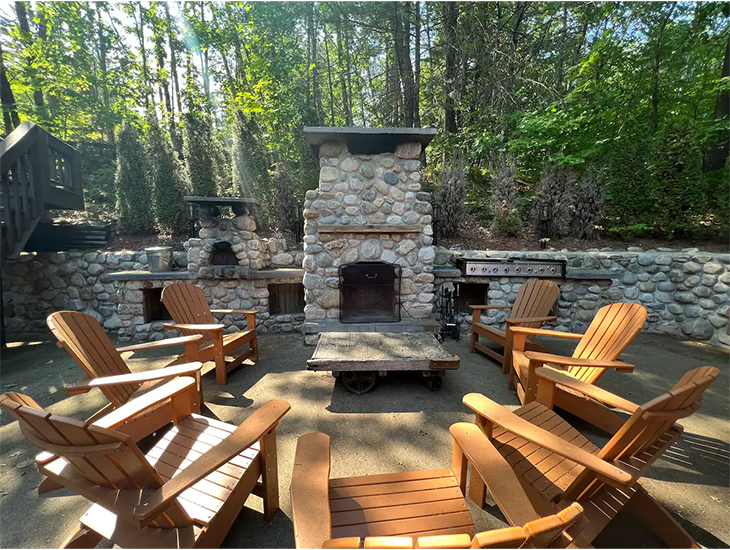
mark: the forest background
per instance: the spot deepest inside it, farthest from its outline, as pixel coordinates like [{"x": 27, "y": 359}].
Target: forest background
[{"x": 615, "y": 115}]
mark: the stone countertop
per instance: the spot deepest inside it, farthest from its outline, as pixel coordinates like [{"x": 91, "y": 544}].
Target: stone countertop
[
  {"x": 174, "y": 275},
  {"x": 450, "y": 272},
  {"x": 146, "y": 275}
]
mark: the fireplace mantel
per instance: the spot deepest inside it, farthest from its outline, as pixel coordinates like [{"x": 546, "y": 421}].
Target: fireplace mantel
[{"x": 373, "y": 228}]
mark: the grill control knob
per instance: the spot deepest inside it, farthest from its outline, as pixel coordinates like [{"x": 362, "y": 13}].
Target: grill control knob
[
  {"x": 472, "y": 268},
  {"x": 517, "y": 269},
  {"x": 541, "y": 270},
  {"x": 552, "y": 270},
  {"x": 506, "y": 269},
  {"x": 529, "y": 270},
  {"x": 484, "y": 269},
  {"x": 495, "y": 269}
]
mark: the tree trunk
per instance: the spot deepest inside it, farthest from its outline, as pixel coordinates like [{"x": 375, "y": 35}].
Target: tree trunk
[
  {"x": 173, "y": 61},
  {"x": 316, "y": 90},
  {"x": 417, "y": 45},
  {"x": 25, "y": 29},
  {"x": 449, "y": 18},
  {"x": 716, "y": 156},
  {"x": 140, "y": 36},
  {"x": 401, "y": 39},
  {"x": 343, "y": 77},
  {"x": 329, "y": 78},
  {"x": 204, "y": 58},
  {"x": 655, "y": 73},
  {"x": 7, "y": 99}
]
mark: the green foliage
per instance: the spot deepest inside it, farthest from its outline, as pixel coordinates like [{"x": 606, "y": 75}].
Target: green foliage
[
  {"x": 675, "y": 177},
  {"x": 132, "y": 182},
  {"x": 169, "y": 179},
  {"x": 450, "y": 195},
  {"x": 507, "y": 223},
  {"x": 630, "y": 232},
  {"x": 284, "y": 199},
  {"x": 98, "y": 167},
  {"x": 199, "y": 153}
]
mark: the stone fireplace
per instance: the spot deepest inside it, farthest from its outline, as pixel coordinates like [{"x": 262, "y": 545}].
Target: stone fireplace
[{"x": 368, "y": 209}]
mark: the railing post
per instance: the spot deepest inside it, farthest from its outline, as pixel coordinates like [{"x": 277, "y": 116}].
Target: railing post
[{"x": 40, "y": 170}]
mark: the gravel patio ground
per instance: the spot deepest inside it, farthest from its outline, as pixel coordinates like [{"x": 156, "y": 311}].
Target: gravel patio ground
[{"x": 401, "y": 425}]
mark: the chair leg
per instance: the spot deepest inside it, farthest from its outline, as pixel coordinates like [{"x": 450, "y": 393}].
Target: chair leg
[
  {"x": 255, "y": 349},
  {"x": 270, "y": 475},
  {"x": 221, "y": 374},
  {"x": 48, "y": 485},
  {"x": 82, "y": 537},
  {"x": 474, "y": 340},
  {"x": 659, "y": 520}
]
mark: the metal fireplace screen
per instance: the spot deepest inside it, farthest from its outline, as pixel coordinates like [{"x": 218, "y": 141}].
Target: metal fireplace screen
[{"x": 370, "y": 293}]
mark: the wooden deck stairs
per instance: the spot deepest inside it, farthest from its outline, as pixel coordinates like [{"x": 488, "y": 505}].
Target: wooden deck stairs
[{"x": 38, "y": 172}]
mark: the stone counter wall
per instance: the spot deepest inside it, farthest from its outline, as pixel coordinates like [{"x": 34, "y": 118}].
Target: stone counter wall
[
  {"x": 36, "y": 285},
  {"x": 686, "y": 293},
  {"x": 221, "y": 294}
]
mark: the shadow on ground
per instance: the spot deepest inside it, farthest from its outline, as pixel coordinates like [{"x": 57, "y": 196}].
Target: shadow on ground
[{"x": 401, "y": 425}]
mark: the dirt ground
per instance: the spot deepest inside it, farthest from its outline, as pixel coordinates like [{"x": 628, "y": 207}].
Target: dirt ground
[{"x": 401, "y": 425}]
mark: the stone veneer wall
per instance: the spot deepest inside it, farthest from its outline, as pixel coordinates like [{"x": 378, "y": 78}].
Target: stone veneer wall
[
  {"x": 36, "y": 285},
  {"x": 686, "y": 293},
  {"x": 359, "y": 190},
  {"x": 221, "y": 294}
]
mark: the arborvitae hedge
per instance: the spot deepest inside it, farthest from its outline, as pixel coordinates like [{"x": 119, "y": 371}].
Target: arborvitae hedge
[
  {"x": 199, "y": 153},
  {"x": 284, "y": 199},
  {"x": 169, "y": 179},
  {"x": 675, "y": 176},
  {"x": 132, "y": 182}
]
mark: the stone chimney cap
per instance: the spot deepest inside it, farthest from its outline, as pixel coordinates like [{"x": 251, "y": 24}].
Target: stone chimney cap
[{"x": 367, "y": 141}]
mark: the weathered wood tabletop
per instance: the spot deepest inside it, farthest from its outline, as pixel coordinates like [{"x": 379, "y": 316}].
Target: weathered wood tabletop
[{"x": 379, "y": 351}]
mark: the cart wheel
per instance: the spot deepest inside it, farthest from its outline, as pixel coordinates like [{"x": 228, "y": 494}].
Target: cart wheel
[
  {"x": 359, "y": 382},
  {"x": 433, "y": 383}
]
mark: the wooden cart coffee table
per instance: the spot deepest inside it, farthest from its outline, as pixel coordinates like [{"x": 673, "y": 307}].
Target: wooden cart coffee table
[{"x": 359, "y": 357}]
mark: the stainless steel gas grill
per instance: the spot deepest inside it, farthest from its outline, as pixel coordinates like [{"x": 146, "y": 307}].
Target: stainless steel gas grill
[{"x": 511, "y": 268}]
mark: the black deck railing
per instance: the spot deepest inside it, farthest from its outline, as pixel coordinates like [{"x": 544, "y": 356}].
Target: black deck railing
[{"x": 37, "y": 172}]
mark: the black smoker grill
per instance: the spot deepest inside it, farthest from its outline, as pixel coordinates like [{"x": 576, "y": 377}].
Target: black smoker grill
[
  {"x": 370, "y": 293},
  {"x": 511, "y": 268}
]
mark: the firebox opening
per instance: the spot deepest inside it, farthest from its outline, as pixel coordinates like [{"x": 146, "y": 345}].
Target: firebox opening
[
  {"x": 471, "y": 294},
  {"x": 369, "y": 293},
  {"x": 222, "y": 254},
  {"x": 154, "y": 309},
  {"x": 286, "y": 298}
]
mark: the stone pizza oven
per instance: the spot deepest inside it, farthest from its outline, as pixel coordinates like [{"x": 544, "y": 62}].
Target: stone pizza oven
[{"x": 368, "y": 224}]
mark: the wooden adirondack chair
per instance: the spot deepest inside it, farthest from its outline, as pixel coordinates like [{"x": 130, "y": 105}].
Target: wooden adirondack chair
[
  {"x": 425, "y": 508},
  {"x": 192, "y": 315},
  {"x": 557, "y": 465},
  {"x": 536, "y": 534},
  {"x": 612, "y": 329},
  {"x": 186, "y": 492},
  {"x": 534, "y": 301},
  {"x": 85, "y": 340}
]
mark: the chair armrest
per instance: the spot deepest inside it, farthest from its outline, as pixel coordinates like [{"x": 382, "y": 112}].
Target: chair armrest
[
  {"x": 552, "y": 376},
  {"x": 162, "y": 343},
  {"x": 520, "y": 320},
  {"x": 490, "y": 307},
  {"x": 119, "y": 416},
  {"x": 135, "y": 377},
  {"x": 538, "y": 356},
  {"x": 80, "y": 386},
  {"x": 249, "y": 432},
  {"x": 494, "y": 412},
  {"x": 497, "y": 473},
  {"x": 235, "y": 311},
  {"x": 310, "y": 491},
  {"x": 211, "y": 327},
  {"x": 544, "y": 332}
]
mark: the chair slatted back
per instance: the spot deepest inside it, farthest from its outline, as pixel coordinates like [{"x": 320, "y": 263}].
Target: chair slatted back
[
  {"x": 536, "y": 534},
  {"x": 188, "y": 305},
  {"x": 82, "y": 336},
  {"x": 98, "y": 456},
  {"x": 644, "y": 436},
  {"x": 535, "y": 299},
  {"x": 612, "y": 329}
]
